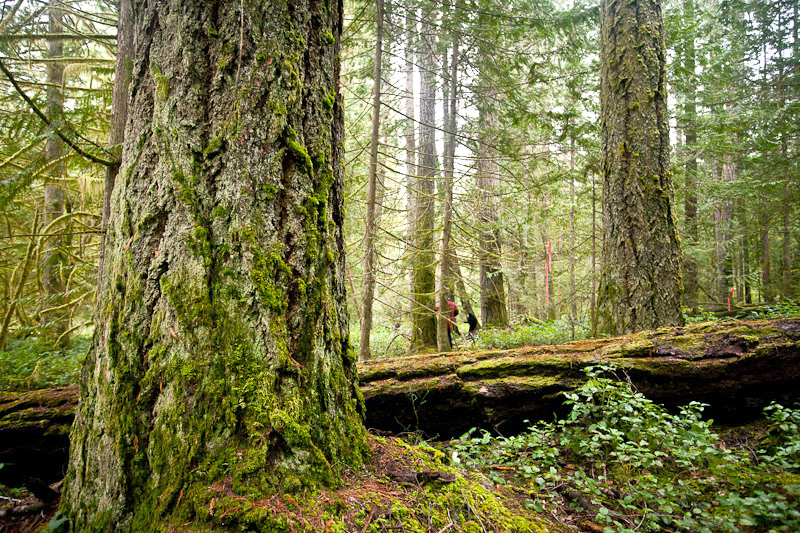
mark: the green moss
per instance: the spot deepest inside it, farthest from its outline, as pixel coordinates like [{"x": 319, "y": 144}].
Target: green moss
[
  {"x": 329, "y": 100},
  {"x": 161, "y": 81},
  {"x": 301, "y": 155},
  {"x": 327, "y": 36},
  {"x": 214, "y": 146}
]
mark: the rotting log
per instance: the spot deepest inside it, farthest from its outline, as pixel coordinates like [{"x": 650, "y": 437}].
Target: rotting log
[
  {"x": 34, "y": 435},
  {"x": 737, "y": 367}
]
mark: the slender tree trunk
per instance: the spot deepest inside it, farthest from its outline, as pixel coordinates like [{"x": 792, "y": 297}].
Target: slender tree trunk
[
  {"x": 119, "y": 116},
  {"x": 572, "y": 291},
  {"x": 461, "y": 288},
  {"x": 593, "y": 302},
  {"x": 55, "y": 260},
  {"x": 492, "y": 286},
  {"x": 788, "y": 286},
  {"x": 690, "y": 131},
  {"x": 724, "y": 233},
  {"x": 411, "y": 146},
  {"x": 422, "y": 264},
  {"x": 225, "y": 373},
  {"x": 443, "y": 317},
  {"x": 748, "y": 296},
  {"x": 641, "y": 279},
  {"x": 369, "y": 231},
  {"x": 767, "y": 291}
]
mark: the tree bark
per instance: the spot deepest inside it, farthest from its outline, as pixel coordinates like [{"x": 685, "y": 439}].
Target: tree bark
[
  {"x": 224, "y": 371},
  {"x": 423, "y": 317},
  {"x": 445, "y": 286},
  {"x": 54, "y": 258},
  {"x": 119, "y": 116},
  {"x": 369, "y": 222},
  {"x": 491, "y": 281},
  {"x": 690, "y": 131},
  {"x": 641, "y": 277}
]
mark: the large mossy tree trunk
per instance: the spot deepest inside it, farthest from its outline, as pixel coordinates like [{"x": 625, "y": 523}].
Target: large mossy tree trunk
[
  {"x": 221, "y": 371},
  {"x": 641, "y": 277}
]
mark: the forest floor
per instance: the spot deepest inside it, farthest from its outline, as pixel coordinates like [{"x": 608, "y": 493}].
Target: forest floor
[
  {"x": 414, "y": 487},
  {"x": 617, "y": 462}
]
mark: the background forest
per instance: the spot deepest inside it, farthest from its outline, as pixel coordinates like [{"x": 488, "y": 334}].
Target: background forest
[{"x": 487, "y": 134}]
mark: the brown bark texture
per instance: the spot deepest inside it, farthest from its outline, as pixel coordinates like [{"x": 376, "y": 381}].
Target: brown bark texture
[
  {"x": 370, "y": 256},
  {"x": 422, "y": 263},
  {"x": 55, "y": 258},
  {"x": 222, "y": 368},
  {"x": 641, "y": 278},
  {"x": 119, "y": 115}
]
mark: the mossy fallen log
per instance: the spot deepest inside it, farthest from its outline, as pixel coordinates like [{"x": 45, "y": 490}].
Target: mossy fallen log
[
  {"x": 737, "y": 367},
  {"x": 34, "y": 435}
]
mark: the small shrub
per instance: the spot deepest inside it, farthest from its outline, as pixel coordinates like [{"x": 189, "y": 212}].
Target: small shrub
[
  {"x": 639, "y": 468},
  {"x": 33, "y": 363}
]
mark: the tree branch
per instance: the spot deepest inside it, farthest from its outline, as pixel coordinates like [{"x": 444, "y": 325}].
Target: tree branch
[{"x": 67, "y": 140}]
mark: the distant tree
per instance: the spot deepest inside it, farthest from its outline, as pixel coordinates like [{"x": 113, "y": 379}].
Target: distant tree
[
  {"x": 224, "y": 372},
  {"x": 423, "y": 318},
  {"x": 641, "y": 277}
]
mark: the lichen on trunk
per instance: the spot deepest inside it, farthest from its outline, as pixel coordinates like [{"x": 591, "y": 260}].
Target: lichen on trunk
[
  {"x": 641, "y": 278},
  {"x": 223, "y": 366}
]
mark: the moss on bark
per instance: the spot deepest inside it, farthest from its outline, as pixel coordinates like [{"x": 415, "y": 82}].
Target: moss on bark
[{"x": 222, "y": 354}]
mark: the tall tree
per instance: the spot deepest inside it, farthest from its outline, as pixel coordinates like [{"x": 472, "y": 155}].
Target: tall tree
[
  {"x": 422, "y": 265},
  {"x": 446, "y": 253},
  {"x": 225, "y": 372},
  {"x": 492, "y": 284},
  {"x": 119, "y": 115},
  {"x": 690, "y": 132},
  {"x": 641, "y": 277},
  {"x": 55, "y": 258},
  {"x": 372, "y": 187}
]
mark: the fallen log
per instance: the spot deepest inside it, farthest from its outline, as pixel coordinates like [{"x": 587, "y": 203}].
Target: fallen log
[
  {"x": 737, "y": 367},
  {"x": 34, "y": 436}
]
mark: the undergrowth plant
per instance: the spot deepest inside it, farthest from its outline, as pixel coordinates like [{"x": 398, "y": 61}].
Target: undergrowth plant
[
  {"x": 34, "y": 363},
  {"x": 630, "y": 465}
]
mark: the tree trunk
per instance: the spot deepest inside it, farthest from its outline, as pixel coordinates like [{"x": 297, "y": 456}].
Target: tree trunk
[
  {"x": 411, "y": 148},
  {"x": 461, "y": 289},
  {"x": 492, "y": 286},
  {"x": 369, "y": 231},
  {"x": 767, "y": 291},
  {"x": 422, "y": 264},
  {"x": 723, "y": 215},
  {"x": 572, "y": 290},
  {"x": 119, "y": 116},
  {"x": 54, "y": 257},
  {"x": 224, "y": 373},
  {"x": 690, "y": 131},
  {"x": 641, "y": 277},
  {"x": 445, "y": 288}
]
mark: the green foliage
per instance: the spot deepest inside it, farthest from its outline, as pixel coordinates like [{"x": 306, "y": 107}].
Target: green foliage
[
  {"x": 783, "y": 308},
  {"x": 638, "y": 467},
  {"x": 34, "y": 363},
  {"x": 388, "y": 342},
  {"x": 532, "y": 333}
]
